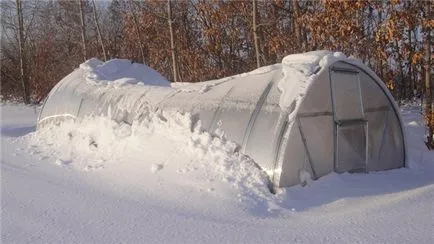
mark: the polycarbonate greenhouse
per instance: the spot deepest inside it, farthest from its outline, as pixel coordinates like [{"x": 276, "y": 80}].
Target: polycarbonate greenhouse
[{"x": 339, "y": 118}]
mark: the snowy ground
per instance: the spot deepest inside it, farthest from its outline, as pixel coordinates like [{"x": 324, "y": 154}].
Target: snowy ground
[{"x": 162, "y": 182}]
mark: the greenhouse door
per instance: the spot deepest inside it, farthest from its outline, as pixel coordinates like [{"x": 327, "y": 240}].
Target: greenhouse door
[{"x": 350, "y": 124}]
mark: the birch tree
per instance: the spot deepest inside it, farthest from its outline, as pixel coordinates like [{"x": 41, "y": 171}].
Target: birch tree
[{"x": 429, "y": 86}]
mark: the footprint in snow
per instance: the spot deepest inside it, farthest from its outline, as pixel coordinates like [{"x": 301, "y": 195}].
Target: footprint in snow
[
  {"x": 43, "y": 158},
  {"x": 62, "y": 162},
  {"x": 156, "y": 167},
  {"x": 93, "y": 167}
]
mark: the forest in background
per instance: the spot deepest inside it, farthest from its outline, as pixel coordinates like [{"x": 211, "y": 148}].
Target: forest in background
[{"x": 198, "y": 40}]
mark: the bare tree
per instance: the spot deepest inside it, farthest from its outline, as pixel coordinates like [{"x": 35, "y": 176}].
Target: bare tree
[
  {"x": 428, "y": 85},
  {"x": 83, "y": 30},
  {"x": 172, "y": 42},
  {"x": 23, "y": 66},
  {"x": 297, "y": 26},
  {"x": 136, "y": 26},
  {"x": 255, "y": 33},
  {"x": 95, "y": 18}
]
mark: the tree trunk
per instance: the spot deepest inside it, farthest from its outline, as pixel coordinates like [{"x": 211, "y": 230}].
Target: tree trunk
[
  {"x": 410, "y": 66},
  {"x": 428, "y": 87},
  {"x": 95, "y": 18},
  {"x": 401, "y": 74},
  {"x": 172, "y": 42},
  {"x": 83, "y": 30},
  {"x": 255, "y": 34},
  {"x": 23, "y": 66},
  {"x": 136, "y": 26},
  {"x": 297, "y": 25}
]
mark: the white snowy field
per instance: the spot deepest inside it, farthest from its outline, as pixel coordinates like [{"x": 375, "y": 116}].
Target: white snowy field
[{"x": 162, "y": 182}]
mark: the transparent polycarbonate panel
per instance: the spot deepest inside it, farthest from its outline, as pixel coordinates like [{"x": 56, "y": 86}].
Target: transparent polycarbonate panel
[
  {"x": 372, "y": 94},
  {"x": 318, "y": 132},
  {"x": 66, "y": 102},
  {"x": 262, "y": 139},
  {"x": 237, "y": 106},
  {"x": 267, "y": 127},
  {"x": 153, "y": 96},
  {"x": 351, "y": 148},
  {"x": 233, "y": 122},
  {"x": 57, "y": 101},
  {"x": 347, "y": 96},
  {"x": 50, "y": 106},
  {"x": 188, "y": 99},
  {"x": 124, "y": 105},
  {"x": 138, "y": 107},
  {"x": 200, "y": 102},
  {"x": 273, "y": 97},
  {"x": 88, "y": 107},
  {"x": 294, "y": 159},
  {"x": 248, "y": 89},
  {"x": 105, "y": 104},
  {"x": 317, "y": 98},
  {"x": 206, "y": 117},
  {"x": 392, "y": 149},
  {"x": 377, "y": 122}
]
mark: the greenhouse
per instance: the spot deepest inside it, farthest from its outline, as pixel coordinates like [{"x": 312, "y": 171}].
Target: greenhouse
[{"x": 312, "y": 114}]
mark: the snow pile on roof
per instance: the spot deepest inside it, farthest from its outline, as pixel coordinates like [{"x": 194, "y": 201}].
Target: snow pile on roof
[
  {"x": 299, "y": 71},
  {"x": 121, "y": 71},
  {"x": 167, "y": 143}
]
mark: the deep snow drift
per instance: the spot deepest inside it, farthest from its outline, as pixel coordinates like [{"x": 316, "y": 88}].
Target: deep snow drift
[
  {"x": 164, "y": 142},
  {"x": 97, "y": 181}
]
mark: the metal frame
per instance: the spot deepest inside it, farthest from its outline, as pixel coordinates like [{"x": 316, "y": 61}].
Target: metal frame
[
  {"x": 383, "y": 136},
  {"x": 357, "y": 81},
  {"x": 314, "y": 114},
  {"x": 278, "y": 147},
  {"x": 366, "y": 145},
  {"x": 363, "y": 123},
  {"x": 389, "y": 97},
  {"x": 169, "y": 95},
  {"x": 52, "y": 92},
  {"x": 344, "y": 70},
  {"x": 360, "y": 96},
  {"x": 309, "y": 157},
  {"x": 79, "y": 107},
  {"x": 254, "y": 116},
  {"x": 378, "y": 109},
  {"x": 335, "y": 129}
]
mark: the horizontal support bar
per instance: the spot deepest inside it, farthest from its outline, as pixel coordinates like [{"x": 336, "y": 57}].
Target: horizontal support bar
[
  {"x": 348, "y": 122},
  {"x": 378, "y": 109},
  {"x": 314, "y": 114},
  {"x": 345, "y": 70},
  {"x": 329, "y": 113}
]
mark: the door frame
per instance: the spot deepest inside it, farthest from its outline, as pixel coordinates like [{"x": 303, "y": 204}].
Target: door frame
[{"x": 347, "y": 122}]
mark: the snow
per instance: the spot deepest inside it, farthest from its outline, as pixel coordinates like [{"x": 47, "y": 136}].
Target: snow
[
  {"x": 164, "y": 180},
  {"x": 205, "y": 86},
  {"x": 176, "y": 146},
  {"x": 299, "y": 71},
  {"x": 118, "y": 72}
]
